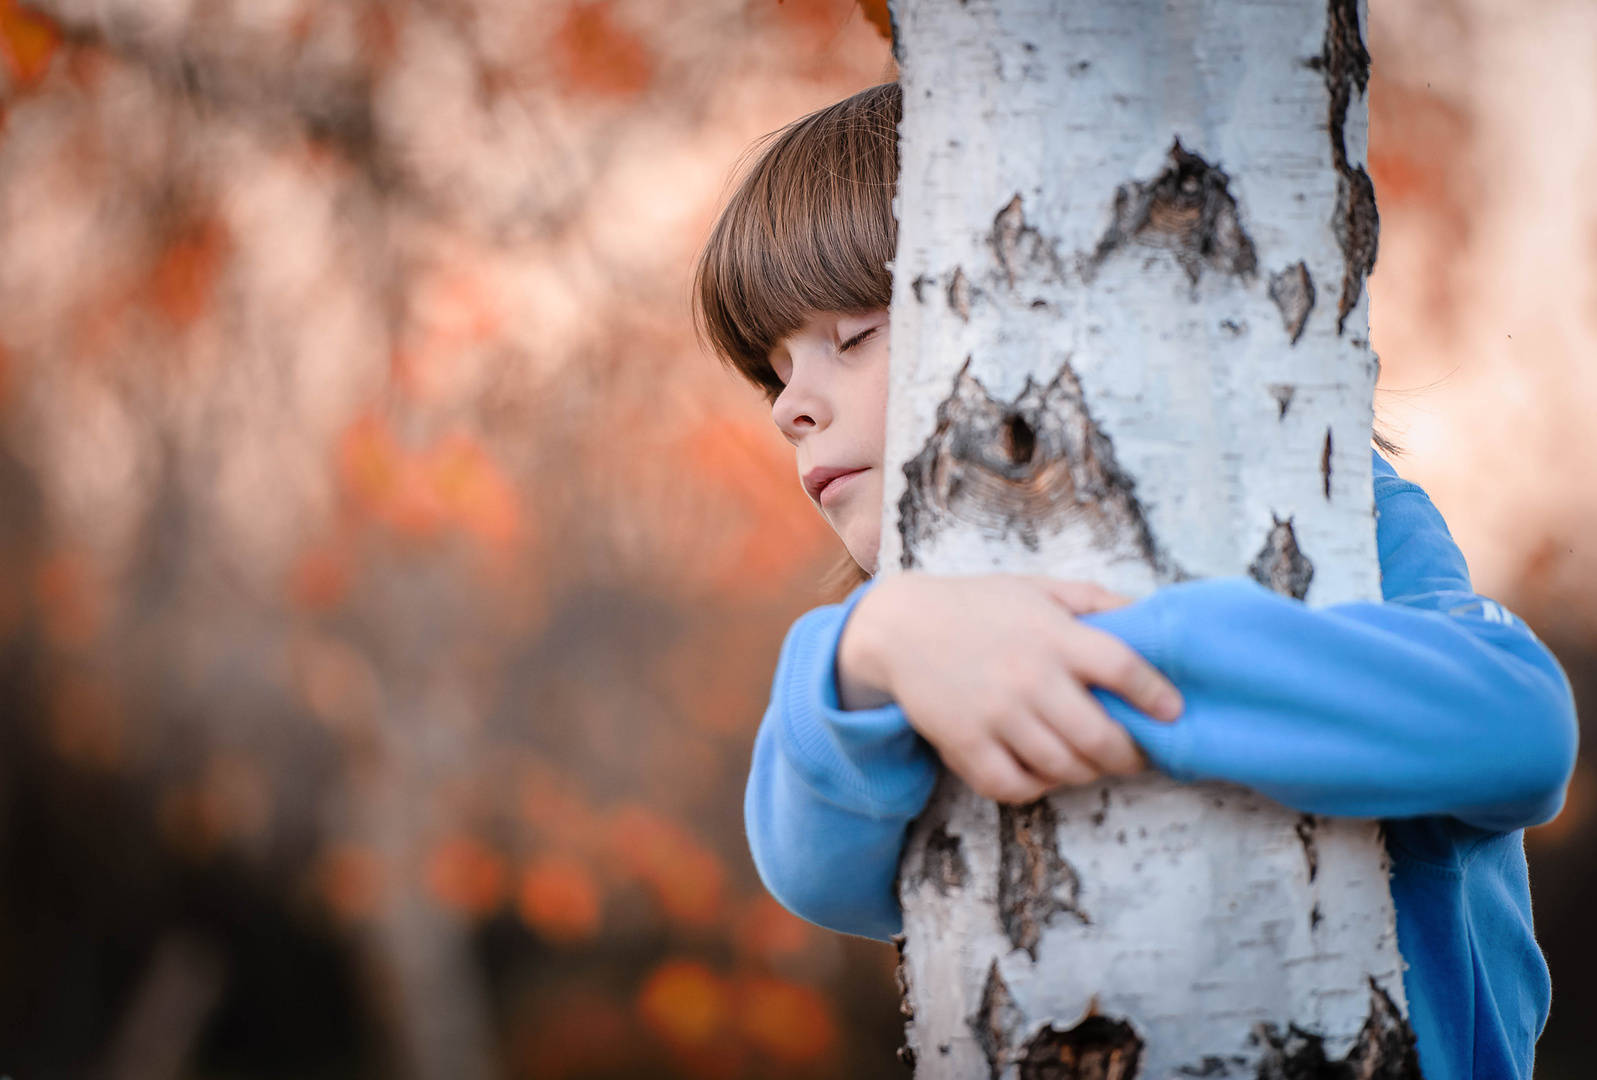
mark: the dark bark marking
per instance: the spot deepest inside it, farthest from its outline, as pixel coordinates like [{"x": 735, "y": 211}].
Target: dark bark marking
[
  {"x": 919, "y": 285},
  {"x": 1023, "y": 253},
  {"x": 906, "y": 1053},
  {"x": 1306, "y": 829},
  {"x": 1187, "y": 210},
  {"x": 1098, "y": 1048},
  {"x": 959, "y": 294},
  {"x": 1316, "y": 917},
  {"x": 1345, "y": 64},
  {"x": 1209, "y": 1066},
  {"x": 1325, "y": 464},
  {"x": 1034, "y": 880},
  {"x": 1383, "y": 1049},
  {"x": 1293, "y": 292},
  {"x": 943, "y": 862},
  {"x": 1026, "y": 468},
  {"x": 995, "y": 1021},
  {"x": 1280, "y": 565},
  {"x": 1097, "y": 816},
  {"x": 1283, "y": 392}
]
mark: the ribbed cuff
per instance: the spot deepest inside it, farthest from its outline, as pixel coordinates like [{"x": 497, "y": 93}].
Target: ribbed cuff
[{"x": 869, "y": 760}]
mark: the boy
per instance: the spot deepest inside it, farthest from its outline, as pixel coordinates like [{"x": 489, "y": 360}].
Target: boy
[{"x": 1436, "y": 710}]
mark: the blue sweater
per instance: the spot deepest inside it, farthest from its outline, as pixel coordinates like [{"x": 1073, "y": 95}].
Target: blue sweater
[{"x": 1436, "y": 710}]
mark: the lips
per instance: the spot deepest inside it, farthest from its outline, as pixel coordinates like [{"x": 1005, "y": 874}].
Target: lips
[{"x": 817, "y": 480}]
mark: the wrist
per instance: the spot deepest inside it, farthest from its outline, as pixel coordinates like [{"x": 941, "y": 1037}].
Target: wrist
[{"x": 861, "y": 669}]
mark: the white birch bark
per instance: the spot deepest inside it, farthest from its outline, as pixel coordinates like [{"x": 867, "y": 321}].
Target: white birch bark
[{"x": 1130, "y": 346}]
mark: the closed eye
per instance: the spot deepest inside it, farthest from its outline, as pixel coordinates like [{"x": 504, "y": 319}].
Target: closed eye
[{"x": 857, "y": 339}]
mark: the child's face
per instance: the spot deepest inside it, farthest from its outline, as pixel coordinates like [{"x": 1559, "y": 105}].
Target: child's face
[{"x": 833, "y": 409}]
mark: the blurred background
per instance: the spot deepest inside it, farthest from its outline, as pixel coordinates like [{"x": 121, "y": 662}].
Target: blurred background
[{"x": 390, "y": 584}]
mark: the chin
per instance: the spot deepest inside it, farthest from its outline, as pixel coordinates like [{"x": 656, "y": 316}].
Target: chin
[{"x": 865, "y": 549}]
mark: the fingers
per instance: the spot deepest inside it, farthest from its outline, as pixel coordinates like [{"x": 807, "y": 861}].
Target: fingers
[
  {"x": 1081, "y": 597},
  {"x": 1101, "y": 659},
  {"x": 1093, "y": 738},
  {"x": 993, "y": 773},
  {"x": 1042, "y": 751}
]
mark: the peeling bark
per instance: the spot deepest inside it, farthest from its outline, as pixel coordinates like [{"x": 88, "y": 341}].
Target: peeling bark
[
  {"x": 1188, "y": 210},
  {"x": 1034, "y": 882},
  {"x": 1098, "y": 1048},
  {"x": 994, "y": 1023},
  {"x": 1293, "y": 292},
  {"x": 1345, "y": 63},
  {"x": 944, "y": 865},
  {"x": 1383, "y": 1050},
  {"x": 1280, "y": 565}
]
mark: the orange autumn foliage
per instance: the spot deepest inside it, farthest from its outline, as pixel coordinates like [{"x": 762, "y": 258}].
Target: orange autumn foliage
[
  {"x": 466, "y": 876},
  {"x": 350, "y": 880},
  {"x": 453, "y": 483},
  {"x": 695, "y": 1009},
  {"x": 785, "y": 1020},
  {"x": 558, "y": 898},
  {"x": 783, "y": 531},
  {"x": 319, "y": 580},
  {"x": 685, "y": 877},
  {"x": 685, "y": 1003},
  {"x": 69, "y": 600},
  {"x": 768, "y": 931},
  {"x": 875, "y": 12},
  {"x": 183, "y": 281},
  {"x": 28, "y": 42},
  {"x": 596, "y": 55},
  {"x": 231, "y": 800}
]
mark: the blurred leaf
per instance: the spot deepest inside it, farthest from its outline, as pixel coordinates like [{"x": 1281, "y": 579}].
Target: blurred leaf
[
  {"x": 465, "y": 875},
  {"x": 596, "y": 55},
  {"x": 184, "y": 278},
  {"x": 351, "y": 880},
  {"x": 685, "y": 1003},
  {"x": 69, "y": 599},
  {"x": 768, "y": 931},
  {"x": 686, "y": 878},
  {"x": 28, "y": 42},
  {"x": 877, "y": 15},
  {"x": 559, "y": 899},
  {"x": 791, "y": 1023}
]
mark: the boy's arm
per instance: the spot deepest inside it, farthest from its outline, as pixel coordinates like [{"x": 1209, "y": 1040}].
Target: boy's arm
[
  {"x": 830, "y": 792},
  {"x": 1436, "y": 702}
]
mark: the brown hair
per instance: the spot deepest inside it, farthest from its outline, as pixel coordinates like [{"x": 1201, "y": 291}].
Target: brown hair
[{"x": 810, "y": 228}]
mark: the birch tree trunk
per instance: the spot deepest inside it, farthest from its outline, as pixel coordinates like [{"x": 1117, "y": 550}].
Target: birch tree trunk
[{"x": 1130, "y": 346}]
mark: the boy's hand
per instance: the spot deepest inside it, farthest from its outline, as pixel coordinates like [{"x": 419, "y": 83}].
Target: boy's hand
[{"x": 993, "y": 671}]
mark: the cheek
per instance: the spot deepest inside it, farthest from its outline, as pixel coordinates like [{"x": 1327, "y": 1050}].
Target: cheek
[{"x": 876, "y": 415}]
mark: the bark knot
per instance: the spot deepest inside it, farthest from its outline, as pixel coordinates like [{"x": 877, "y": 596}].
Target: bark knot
[
  {"x": 1280, "y": 564},
  {"x": 1026, "y": 468},
  {"x": 1187, "y": 210}
]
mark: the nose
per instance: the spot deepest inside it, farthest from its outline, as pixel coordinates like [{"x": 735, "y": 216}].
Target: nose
[{"x": 801, "y": 408}]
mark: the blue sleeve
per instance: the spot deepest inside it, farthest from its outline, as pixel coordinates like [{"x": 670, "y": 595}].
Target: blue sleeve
[
  {"x": 831, "y": 792},
  {"x": 1435, "y": 702}
]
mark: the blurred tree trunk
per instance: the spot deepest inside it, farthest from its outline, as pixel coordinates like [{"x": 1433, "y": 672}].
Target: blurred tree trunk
[{"x": 1130, "y": 346}]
